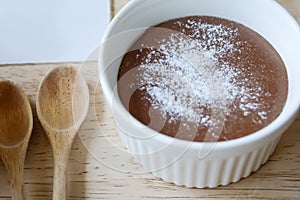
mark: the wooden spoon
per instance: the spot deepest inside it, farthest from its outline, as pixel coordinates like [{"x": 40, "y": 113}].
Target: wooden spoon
[
  {"x": 15, "y": 131},
  {"x": 62, "y": 106}
]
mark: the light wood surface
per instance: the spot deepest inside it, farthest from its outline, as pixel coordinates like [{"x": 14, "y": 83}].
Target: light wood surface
[{"x": 105, "y": 171}]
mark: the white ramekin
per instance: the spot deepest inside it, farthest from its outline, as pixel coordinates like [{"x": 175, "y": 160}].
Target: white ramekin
[{"x": 199, "y": 164}]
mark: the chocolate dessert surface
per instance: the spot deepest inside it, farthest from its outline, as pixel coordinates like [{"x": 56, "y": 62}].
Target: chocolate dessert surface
[{"x": 202, "y": 78}]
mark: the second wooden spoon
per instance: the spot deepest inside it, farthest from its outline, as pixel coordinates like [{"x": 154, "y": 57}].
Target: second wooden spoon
[{"x": 62, "y": 106}]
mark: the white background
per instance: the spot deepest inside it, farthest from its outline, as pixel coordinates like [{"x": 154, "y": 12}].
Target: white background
[{"x": 51, "y": 30}]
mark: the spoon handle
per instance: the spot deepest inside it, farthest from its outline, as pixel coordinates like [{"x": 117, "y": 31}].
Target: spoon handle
[
  {"x": 13, "y": 159},
  {"x": 17, "y": 185},
  {"x": 61, "y": 155}
]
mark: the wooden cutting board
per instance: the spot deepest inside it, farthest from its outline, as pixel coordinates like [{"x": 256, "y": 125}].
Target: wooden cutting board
[{"x": 105, "y": 170}]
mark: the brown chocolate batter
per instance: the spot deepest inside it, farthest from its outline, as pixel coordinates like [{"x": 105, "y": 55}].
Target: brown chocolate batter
[{"x": 203, "y": 78}]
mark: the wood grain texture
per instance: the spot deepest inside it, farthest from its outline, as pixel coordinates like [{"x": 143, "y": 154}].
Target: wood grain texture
[
  {"x": 16, "y": 124},
  {"x": 62, "y": 106},
  {"x": 106, "y": 171}
]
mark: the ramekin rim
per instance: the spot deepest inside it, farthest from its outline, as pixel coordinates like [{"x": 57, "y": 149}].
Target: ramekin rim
[{"x": 264, "y": 132}]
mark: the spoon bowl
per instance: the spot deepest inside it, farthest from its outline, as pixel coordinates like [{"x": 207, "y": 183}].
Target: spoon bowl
[
  {"x": 16, "y": 123},
  {"x": 62, "y": 106}
]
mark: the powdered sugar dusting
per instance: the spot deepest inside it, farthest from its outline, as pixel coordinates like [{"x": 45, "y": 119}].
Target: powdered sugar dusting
[{"x": 192, "y": 76}]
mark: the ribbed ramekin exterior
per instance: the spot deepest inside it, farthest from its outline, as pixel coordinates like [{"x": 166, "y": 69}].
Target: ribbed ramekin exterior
[
  {"x": 233, "y": 162},
  {"x": 193, "y": 172}
]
